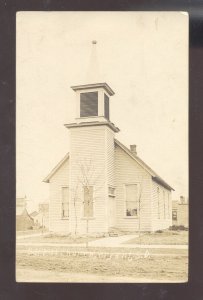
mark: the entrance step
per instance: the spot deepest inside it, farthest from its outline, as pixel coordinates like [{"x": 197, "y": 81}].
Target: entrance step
[{"x": 113, "y": 231}]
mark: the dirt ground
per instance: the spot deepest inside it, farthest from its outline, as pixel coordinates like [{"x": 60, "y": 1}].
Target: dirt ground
[
  {"x": 30, "y": 275},
  {"x": 158, "y": 268}
]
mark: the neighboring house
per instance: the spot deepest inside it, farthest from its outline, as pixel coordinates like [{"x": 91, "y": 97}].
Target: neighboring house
[
  {"x": 101, "y": 184},
  {"x": 23, "y": 219},
  {"x": 180, "y": 212},
  {"x": 41, "y": 217},
  {"x": 36, "y": 218}
]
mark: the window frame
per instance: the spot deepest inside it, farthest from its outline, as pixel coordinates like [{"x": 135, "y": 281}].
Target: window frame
[
  {"x": 164, "y": 205},
  {"x": 168, "y": 204},
  {"x": 158, "y": 203},
  {"x": 106, "y": 100},
  {"x": 176, "y": 211},
  {"x": 125, "y": 200},
  {"x": 112, "y": 194},
  {"x": 63, "y": 217},
  {"x": 85, "y": 93}
]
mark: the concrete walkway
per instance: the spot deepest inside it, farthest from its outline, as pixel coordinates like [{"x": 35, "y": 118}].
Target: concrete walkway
[{"x": 112, "y": 241}]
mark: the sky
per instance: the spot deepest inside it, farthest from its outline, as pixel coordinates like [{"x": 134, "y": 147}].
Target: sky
[{"x": 143, "y": 56}]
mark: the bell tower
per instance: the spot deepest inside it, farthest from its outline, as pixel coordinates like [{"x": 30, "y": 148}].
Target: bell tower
[
  {"x": 93, "y": 101},
  {"x": 91, "y": 157}
]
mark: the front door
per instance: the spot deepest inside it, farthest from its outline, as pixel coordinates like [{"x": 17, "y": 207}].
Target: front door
[{"x": 112, "y": 211}]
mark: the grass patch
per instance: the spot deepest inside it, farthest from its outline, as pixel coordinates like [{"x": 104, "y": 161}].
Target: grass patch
[
  {"x": 168, "y": 237},
  {"x": 30, "y": 232},
  {"x": 57, "y": 238}
]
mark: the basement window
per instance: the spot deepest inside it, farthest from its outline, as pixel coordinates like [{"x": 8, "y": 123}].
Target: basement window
[{"x": 131, "y": 200}]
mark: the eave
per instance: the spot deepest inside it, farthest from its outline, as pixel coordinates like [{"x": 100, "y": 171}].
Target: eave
[
  {"x": 46, "y": 179},
  {"x": 103, "y": 85},
  {"x": 85, "y": 124}
]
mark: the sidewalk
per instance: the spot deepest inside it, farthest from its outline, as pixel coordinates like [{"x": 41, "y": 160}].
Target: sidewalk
[{"x": 112, "y": 241}]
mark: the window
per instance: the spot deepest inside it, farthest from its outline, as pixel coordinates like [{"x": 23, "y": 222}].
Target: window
[
  {"x": 164, "y": 201},
  {"x": 111, "y": 191},
  {"x": 89, "y": 104},
  {"x": 158, "y": 202},
  {"x": 106, "y": 106},
  {"x": 168, "y": 208},
  {"x": 131, "y": 200},
  {"x": 88, "y": 201},
  {"x": 174, "y": 215},
  {"x": 65, "y": 203}
]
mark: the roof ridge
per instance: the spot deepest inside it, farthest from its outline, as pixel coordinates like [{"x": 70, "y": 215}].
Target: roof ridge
[{"x": 154, "y": 175}]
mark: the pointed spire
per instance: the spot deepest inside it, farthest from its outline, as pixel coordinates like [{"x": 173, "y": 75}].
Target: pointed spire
[{"x": 93, "y": 73}]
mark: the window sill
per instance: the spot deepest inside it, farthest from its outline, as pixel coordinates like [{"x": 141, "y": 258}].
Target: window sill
[{"x": 84, "y": 218}]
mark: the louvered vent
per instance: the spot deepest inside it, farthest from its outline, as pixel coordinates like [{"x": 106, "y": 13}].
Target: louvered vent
[
  {"x": 89, "y": 104},
  {"x": 106, "y": 106}
]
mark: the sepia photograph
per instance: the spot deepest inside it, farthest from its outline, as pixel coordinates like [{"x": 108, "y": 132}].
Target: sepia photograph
[{"x": 102, "y": 146}]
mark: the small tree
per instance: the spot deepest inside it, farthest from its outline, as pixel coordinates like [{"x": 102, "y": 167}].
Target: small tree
[
  {"x": 75, "y": 200},
  {"x": 87, "y": 179},
  {"x": 140, "y": 206}
]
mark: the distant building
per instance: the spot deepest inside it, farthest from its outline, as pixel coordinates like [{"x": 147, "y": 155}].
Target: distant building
[
  {"x": 180, "y": 212},
  {"x": 41, "y": 217},
  {"x": 23, "y": 220}
]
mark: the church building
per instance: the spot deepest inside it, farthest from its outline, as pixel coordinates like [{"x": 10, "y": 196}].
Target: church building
[{"x": 101, "y": 185}]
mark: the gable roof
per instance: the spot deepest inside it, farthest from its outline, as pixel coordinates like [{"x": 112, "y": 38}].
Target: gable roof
[
  {"x": 34, "y": 214},
  {"x": 46, "y": 179},
  {"x": 154, "y": 175},
  {"x": 21, "y": 212}
]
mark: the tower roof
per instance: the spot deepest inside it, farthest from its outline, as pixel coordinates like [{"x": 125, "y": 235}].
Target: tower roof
[{"x": 103, "y": 85}]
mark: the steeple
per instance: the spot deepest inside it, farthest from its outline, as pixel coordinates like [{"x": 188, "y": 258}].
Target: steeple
[
  {"x": 93, "y": 98},
  {"x": 93, "y": 72}
]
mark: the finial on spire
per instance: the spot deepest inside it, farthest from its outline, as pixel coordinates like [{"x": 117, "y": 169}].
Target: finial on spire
[{"x": 93, "y": 74}]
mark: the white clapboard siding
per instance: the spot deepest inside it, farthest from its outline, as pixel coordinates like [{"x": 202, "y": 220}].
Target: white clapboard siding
[
  {"x": 110, "y": 171},
  {"x": 165, "y": 220},
  {"x": 57, "y": 181},
  {"x": 89, "y": 146},
  {"x": 127, "y": 171}
]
